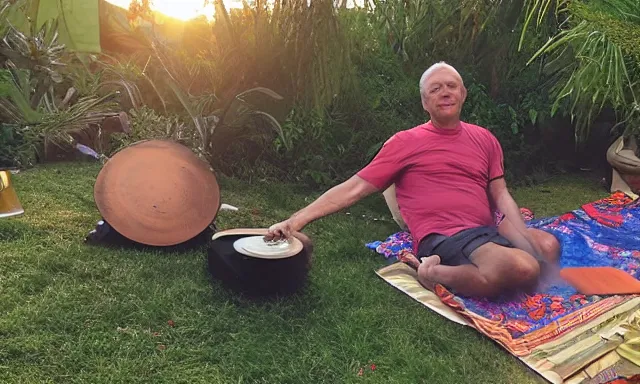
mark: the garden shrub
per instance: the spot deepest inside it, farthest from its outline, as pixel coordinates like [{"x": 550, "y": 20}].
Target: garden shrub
[
  {"x": 147, "y": 124},
  {"x": 12, "y": 151}
]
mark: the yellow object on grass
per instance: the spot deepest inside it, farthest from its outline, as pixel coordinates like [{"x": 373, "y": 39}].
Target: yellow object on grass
[{"x": 9, "y": 202}]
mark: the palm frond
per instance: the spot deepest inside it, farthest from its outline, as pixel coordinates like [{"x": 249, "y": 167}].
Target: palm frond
[
  {"x": 273, "y": 123},
  {"x": 263, "y": 90},
  {"x": 541, "y": 10},
  {"x": 15, "y": 97},
  {"x": 602, "y": 38}
]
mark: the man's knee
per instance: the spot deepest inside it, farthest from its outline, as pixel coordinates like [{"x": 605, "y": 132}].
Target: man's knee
[
  {"x": 527, "y": 269},
  {"x": 549, "y": 245},
  {"x": 519, "y": 269},
  {"x": 505, "y": 269}
]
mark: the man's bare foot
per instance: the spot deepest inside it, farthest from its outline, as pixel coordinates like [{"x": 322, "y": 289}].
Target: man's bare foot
[
  {"x": 424, "y": 271},
  {"x": 549, "y": 276},
  {"x": 409, "y": 259}
]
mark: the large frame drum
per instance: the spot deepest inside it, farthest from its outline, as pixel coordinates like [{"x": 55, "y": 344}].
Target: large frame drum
[{"x": 157, "y": 193}]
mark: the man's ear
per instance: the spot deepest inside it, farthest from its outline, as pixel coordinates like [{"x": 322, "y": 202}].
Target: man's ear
[{"x": 464, "y": 93}]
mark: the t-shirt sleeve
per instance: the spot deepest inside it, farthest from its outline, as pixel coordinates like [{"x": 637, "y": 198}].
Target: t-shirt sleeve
[
  {"x": 386, "y": 165},
  {"x": 496, "y": 158}
]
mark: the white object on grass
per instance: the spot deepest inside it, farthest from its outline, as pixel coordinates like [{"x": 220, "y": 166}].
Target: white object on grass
[
  {"x": 227, "y": 207},
  {"x": 390, "y": 197}
]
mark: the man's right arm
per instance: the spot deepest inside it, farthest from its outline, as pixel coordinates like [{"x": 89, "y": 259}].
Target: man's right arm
[
  {"x": 375, "y": 177},
  {"x": 335, "y": 199}
]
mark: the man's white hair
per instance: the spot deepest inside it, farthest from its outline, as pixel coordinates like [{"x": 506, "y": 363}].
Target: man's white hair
[{"x": 433, "y": 68}]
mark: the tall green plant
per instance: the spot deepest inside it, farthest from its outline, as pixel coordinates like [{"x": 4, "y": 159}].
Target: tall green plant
[
  {"x": 296, "y": 47},
  {"x": 417, "y": 29},
  {"x": 474, "y": 35},
  {"x": 598, "y": 43},
  {"x": 49, "y": 121},
  {"x": 219, "y": 121},
  {"x": 39, "y": 53},
  {"x": 32, "y": 66}
]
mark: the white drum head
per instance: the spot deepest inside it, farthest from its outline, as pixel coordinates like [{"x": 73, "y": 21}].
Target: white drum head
[{"x": 256, "y": 246}]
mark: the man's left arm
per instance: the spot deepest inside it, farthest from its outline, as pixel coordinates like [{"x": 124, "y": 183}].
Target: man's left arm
[{"x": 517, "y": 234}]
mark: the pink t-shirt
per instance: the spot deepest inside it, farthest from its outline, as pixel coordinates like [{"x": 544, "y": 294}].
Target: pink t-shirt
[{"x": 441, "y": 177}]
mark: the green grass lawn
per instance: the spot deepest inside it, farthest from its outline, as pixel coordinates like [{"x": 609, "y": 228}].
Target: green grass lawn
[{"x": 70, "y": 312}]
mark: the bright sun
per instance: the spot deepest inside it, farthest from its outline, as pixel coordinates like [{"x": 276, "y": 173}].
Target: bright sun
[
  {"x": 180, "y": 9},
  {"x": 189, "y": 9}
]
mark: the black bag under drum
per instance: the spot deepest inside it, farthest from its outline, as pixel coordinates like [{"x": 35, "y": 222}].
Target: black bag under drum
[{"x": 259, "y": 271}]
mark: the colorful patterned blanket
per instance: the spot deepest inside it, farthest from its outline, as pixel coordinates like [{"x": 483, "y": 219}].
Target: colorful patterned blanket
[{"x": 602, "y": 233}]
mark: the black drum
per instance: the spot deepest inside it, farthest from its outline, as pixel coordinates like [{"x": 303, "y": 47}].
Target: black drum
[{"x": 255, "y": 272}]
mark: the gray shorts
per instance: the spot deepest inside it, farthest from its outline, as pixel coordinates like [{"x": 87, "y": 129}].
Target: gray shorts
[{"x": 456, "y": 250}]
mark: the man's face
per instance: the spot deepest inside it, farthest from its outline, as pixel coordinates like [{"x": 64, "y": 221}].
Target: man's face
[{"x": 444, "y": 95}]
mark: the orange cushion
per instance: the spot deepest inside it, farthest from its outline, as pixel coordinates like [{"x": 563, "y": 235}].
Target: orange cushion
[{"x": 601, "y": 280}]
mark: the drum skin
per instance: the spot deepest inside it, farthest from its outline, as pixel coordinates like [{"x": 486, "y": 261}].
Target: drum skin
[{"x": 157, "y": 193}]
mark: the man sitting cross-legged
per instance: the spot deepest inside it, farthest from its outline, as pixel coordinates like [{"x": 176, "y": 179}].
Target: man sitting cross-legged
[{"x": 449, "y": 180}]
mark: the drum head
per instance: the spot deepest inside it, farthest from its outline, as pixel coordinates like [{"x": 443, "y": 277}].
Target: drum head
[
  {"x": 256, "y": 246},
  {"x": 157, "y": 193}
]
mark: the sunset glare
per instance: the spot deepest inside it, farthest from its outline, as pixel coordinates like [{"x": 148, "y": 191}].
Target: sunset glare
[
  {"x": 189, "y": 9},
  {"x": 180, "y": 9}
]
